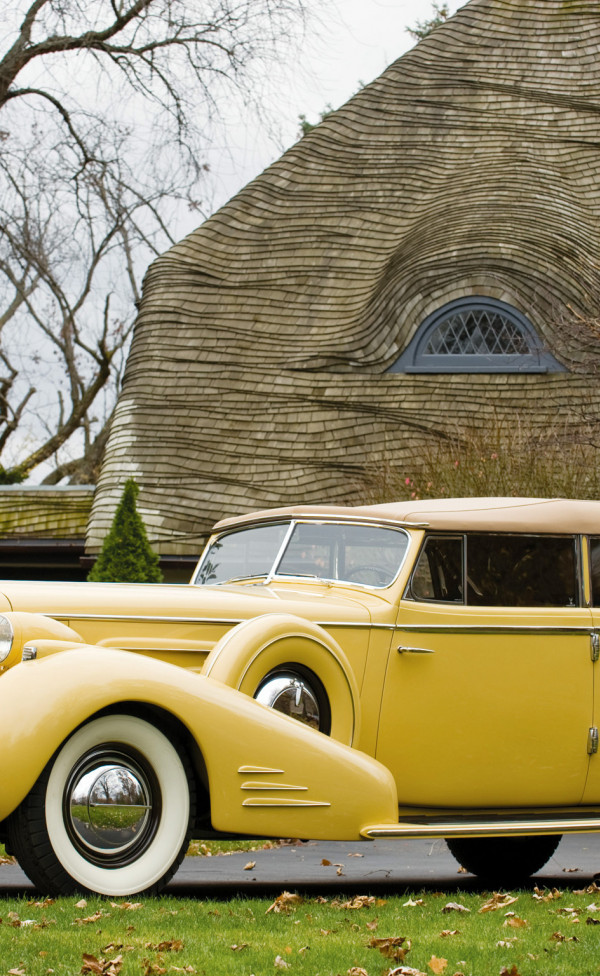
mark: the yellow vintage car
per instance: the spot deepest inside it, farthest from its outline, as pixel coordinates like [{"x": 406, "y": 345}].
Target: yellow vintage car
[{"x": 418, "y": 669}]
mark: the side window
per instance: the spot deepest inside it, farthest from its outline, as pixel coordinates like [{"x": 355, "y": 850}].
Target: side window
[
  {"x": 595, "y": 552},
  {"x": 522, "y": 571},
  {"x": 439, "y": 571}
]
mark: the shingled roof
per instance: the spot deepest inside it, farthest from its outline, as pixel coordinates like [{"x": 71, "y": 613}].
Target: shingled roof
[{"x": 258, "y": 371}]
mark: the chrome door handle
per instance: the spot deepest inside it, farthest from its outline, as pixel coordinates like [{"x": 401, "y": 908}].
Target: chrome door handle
[{"x": 414, "y": 650}]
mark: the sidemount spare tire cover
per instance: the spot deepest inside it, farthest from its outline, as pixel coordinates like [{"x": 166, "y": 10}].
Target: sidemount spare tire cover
[{"x": 252, "y": 649}]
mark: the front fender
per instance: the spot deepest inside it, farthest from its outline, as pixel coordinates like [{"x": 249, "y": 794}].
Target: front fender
[
  {"x": 29, "y": 627},
  {"x": 267, "y": 774}
]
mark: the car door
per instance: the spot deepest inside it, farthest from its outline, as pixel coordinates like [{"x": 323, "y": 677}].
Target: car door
[
  {"x": 592, "y": 789},
  {"x": 488, "y": 695}
]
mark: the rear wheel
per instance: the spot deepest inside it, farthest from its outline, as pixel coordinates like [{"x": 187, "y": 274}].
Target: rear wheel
[
  {"x": 110, "y": 813},
  {"x": 503, "y": 861}
]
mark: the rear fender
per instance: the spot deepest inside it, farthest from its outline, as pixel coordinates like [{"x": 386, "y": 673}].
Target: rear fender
[{"x": 267, "y": 774}]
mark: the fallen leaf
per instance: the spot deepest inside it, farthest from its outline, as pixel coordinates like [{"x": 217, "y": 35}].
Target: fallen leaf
[
  {"x": 102, "y": 967},
  {"x": 462, "y": 870},
  {"x": 127, "y": 906},
  {"x": 559, "y": 937},
  {"x": 41, "y": 904},
  {"x": 355, "y": 855},
  {"x": 249, "y": 866},
  {"x": 152, "y": 968},
  {"x": 303, "y": 950},
  {"x": 592, "y": 921},
  {"x": 281, "y": 963},
  {"x": 325, "y": 863},
  {"x": 447, "y": 932},
  {"x": 437, "y": 965},
  {"x": 81, "y": 904},
  {"x": 515, "y": 923},
  {"x": 453, "y": 906},
  {"x": 17, "y": 972},
  {"x": 14, "y": 919},
  {"x": 285, "y": 903},
  {"x": 498, "y": 900},
  {"x": 571, "y": 870},
  {"x": 393, "y": 947},
  {"x": 539, "y": 894},
  {"x": 506, "y": 944},
  {"x": 357, "y": 971},
  {"x": 358, "y": 902},
  {"x": 513, "y": 971},
  {"x": 372, "y": 926},
  {"x": 90, "y": 918},
  {"x": 174, "y": 945},
  {"x": 413, "y": 904},
  {"x": 340, "y": 870},
  {"x": 568, "y": 912},
  {"x": 238, "y": 948},
  {"x": 405, "y": 971}
]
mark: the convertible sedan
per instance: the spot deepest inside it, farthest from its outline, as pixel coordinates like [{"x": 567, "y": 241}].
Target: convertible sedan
[{"x": 418, "y": 669}]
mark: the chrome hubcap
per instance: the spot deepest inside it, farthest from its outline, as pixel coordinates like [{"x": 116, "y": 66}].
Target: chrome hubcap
[
  {"x": 291, "y": 695},
  {"x": 110, "y": 807}
]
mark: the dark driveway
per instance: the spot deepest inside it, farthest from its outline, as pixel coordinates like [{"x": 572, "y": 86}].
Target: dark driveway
[{"x": 384, "y": 867}]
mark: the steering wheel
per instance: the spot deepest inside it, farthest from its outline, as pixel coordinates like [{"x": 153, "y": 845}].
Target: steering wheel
[{"x": 382, "y": 576}]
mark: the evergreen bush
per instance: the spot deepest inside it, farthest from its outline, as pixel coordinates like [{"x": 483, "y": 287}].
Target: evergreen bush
[{"x": 126, "y": 555}]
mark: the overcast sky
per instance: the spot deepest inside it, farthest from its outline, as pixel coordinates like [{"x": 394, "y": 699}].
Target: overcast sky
[{"x": 348, "y": 43}]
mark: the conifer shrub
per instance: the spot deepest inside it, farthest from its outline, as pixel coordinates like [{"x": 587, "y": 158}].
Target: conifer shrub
[{"x": 126, "y": 555}]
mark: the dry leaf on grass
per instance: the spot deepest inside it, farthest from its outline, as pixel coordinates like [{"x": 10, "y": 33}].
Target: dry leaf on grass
[
  {"x": 506, "y": 944},
  {"x": 281, "y": 963},
  {"x": 394, "y": 947},
  {"x": 101, "y": 967},
  {"x": 437, "y": 965},
  {"x": 447, "y": 932},
  {"x": 453, "y": 906},
  {"x": 152, "y": 968},
  {"x": 357, "y": 971},
  {"x": 127, "y": 906},
  {"x": 17, "y": 972},
  {"x": 238, "y": 947},
  {"x": 559, "y": 937},
  {"x": 540, "y": 894},
  {"x": 41, "y": 904},
  {"x": 498, "y": 900},
  {"x": 90, "y": 918},
  {"x": 592, "y": 921},
  {"x": 413, "y": 904},
  {"x": 404, "y": 971},
  {"x": 515, "y": 923},
  {"x": 172, "y": 945},
  {"x": 513, "y": 971},
  {"x": 285, "y": 903}
]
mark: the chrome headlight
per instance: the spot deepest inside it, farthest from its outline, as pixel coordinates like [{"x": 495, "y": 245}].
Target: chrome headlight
[{"x": 6, "y": 637}]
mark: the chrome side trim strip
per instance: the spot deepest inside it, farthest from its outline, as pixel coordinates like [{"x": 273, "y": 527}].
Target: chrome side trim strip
[
  {"x": 499, "y": 828},
  {"x": 270, "y": 786},
  {"x": 259, "y": 769},
  {"x": 255, "y": 801},
  {"x": 139, "y": 618},
  {"x": 491, "y": 629}
]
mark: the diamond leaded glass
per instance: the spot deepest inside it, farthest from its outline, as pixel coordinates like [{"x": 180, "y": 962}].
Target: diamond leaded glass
[{"x": 477, "y": 332}]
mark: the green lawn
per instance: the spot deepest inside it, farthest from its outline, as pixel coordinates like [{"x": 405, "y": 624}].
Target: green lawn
[{"x": 535, "y": 934}]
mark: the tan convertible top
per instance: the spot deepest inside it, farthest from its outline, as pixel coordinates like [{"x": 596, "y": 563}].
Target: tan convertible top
[{"x": 540, "y": 515}]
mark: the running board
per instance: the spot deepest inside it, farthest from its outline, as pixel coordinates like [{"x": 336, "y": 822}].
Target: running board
[{"x": 485, "y": 828}]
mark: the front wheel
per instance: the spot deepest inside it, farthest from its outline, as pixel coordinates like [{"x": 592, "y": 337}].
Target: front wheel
[
  {"x": 503, "y": 861},
  {"x": 110, "y": 813}
]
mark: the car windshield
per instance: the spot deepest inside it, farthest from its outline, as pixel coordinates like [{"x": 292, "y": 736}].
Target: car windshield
[{"x": 352, "y": 553}]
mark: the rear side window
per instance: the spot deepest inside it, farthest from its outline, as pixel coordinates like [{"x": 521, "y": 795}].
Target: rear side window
[{"x": 499, "y": 570}]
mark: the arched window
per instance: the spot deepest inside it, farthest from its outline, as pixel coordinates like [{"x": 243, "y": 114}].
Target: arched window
[{"x": 476, "y": 335}]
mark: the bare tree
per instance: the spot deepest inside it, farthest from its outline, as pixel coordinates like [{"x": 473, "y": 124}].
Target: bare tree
[{"x": 104, "y": 110}]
